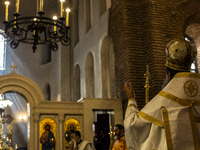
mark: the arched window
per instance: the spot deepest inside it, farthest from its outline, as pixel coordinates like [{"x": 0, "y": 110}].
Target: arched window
[
  {"x": 76, "y": 84},
  {"x": 89, "y": 76},
  {"x": 2, "y": 53},
  {"x": 108, "y": 68}
]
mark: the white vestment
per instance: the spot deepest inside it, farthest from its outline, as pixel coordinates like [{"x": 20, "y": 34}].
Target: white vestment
[
  {"x": 84, "y": 145},
  {"x": 170, "y": 121}
]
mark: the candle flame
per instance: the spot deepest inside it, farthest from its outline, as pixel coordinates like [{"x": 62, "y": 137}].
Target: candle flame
[
  {"x": 7, "y": 3},
  {"x": 54, "y": 17},
  {"x": 68, "y": 10}
]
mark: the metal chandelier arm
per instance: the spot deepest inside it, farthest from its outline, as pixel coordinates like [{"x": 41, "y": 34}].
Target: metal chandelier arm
[{"x": 36, "y": 30}]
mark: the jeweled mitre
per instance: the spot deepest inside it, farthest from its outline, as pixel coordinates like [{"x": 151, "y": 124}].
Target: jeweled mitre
[{"x": 180, "y": 54}]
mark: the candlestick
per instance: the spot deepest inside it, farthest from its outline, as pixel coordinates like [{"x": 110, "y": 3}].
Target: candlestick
[
  {"x": 17, "y": 6},
  {"x": 35, "y": 19},
  {"x": 54, "y": 18},
  {"x": 67, "y": 16},
  {"x": 6, "y": 11},
  {"x": 41, "y": 5},
  {"x": 146, "y": 86},
  {"x": 61, "y": 8}
]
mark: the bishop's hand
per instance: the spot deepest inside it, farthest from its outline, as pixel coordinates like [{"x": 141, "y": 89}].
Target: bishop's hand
[{"x": 129, "y": 90}]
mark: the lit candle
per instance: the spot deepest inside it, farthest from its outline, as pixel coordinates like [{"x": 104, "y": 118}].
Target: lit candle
[
  {"x": 17, "y": 6},
  {"x": 4, "y": 137},
  {"x": 61, "y": 8},
  {"x": 6, "y": 12},
  {"x": 67, "y": 16},
  {"x": 35, "y": 19},
  {"x": 41, "y": 5},
  {"x": 54, "y": 29},
  {"x": 16, "y": 147}
]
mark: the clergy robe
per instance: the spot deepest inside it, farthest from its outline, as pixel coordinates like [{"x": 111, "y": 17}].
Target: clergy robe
[
  {"x": 83, "y": 145},
  {"x": 120, "y": 144},
  {"x": 170, "y": 121}
]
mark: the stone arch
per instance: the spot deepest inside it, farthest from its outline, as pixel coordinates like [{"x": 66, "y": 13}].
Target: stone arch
[
  {"x": 23, "y": 85},
  {"x": 89, "y": 76},
  {"x": 76, "y": 84},
  {"x": 182, "y": 15},
  {"x": 191, "y": 27},
  {"x": 192, "y": 32},
  {"x": 32, "y": 94},
  {"x": 193, "y": 18},
  {"x": 185, "y": 17},
  {"x": 108, "y": 68}
]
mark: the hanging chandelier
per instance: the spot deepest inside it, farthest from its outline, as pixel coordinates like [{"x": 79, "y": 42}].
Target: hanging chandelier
[
  {"x": 37, "y": 29},
  {"x": 4, "y": 102}
]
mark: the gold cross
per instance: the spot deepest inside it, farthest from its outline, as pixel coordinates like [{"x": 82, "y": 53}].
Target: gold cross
[
  {"x": 147, "y": 74},
  {"x": 13, "y": 67}
]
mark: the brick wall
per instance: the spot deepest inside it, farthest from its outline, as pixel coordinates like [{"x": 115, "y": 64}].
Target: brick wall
[
  {"x": 140, "y": 30},
  {"x": 126, "y": 31}
]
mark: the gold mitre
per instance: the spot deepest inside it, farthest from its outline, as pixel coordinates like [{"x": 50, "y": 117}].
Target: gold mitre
[{"x": 180, "y": 54}]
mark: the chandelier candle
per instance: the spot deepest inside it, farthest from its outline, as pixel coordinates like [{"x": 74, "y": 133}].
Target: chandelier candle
[
  {"x": 54, "y": 29},
  {"x": 17, "y": 6},
  {"x": 6, "y": 11},
  {"x": 35, "y": 19},
  {"x": 41, "y": 5},
  {"x": 61, "y": 8},
  {"x": 67, "y": 16},
  {"x": 36, "y": 29}
]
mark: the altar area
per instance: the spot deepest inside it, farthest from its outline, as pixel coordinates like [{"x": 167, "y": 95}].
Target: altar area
[{"x": 58, "y": 114}]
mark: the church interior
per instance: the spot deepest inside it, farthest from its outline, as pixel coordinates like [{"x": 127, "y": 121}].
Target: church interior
[{"x": 82, "y": 84}]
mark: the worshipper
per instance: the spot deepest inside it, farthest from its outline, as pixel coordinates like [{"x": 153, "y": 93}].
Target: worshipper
[
  {"x": 78, "y": 144},
  {"x": 47, "y": 139},
  {"x": 170, "y": 121},
  {"x": 95, "y": 138},
  {"x": 120, "y": 143}
]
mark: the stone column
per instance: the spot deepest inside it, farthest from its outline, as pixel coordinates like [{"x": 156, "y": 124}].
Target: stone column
[
  {"x": 36, "y": 131},
  {"x": 61, "y": 130}
]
